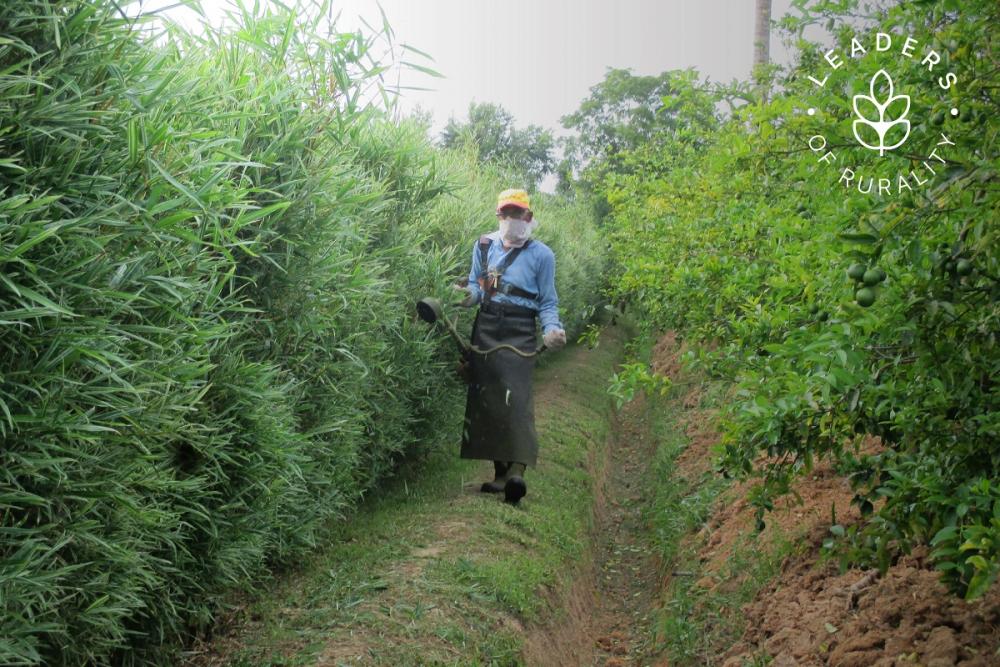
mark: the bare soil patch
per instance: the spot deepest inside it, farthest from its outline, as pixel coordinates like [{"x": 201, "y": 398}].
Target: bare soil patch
[
  {"x": 699, "y": 424},
  {"x": 812, "y": 614},
  {"x": 821, "y": 493}
]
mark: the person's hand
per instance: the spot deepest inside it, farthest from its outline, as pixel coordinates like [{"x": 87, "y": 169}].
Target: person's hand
[
  {"x": 470, "y": 299},
  {"x": 554, "y": 339}
]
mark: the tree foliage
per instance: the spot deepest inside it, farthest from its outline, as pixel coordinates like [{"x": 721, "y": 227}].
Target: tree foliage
[
  {"x": 491, "y": 131},
  {"x": 625, "y": 118},
  {"x": 627, "y": 113},
  {"x": 740, "y": 236}
]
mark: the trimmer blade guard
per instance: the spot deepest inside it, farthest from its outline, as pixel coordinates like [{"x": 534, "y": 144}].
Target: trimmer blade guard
[{"x": 429, "y": 310}]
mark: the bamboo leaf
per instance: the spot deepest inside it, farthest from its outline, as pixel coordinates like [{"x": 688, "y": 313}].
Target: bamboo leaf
[{"x": 177, "y": 184}]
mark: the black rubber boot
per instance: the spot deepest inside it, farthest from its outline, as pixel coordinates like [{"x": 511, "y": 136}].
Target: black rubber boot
[
  {"x": 515, "y": 488},
  {"x": 499, "y": 480}
]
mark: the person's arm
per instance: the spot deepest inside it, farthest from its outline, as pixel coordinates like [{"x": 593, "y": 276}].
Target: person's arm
[
  {"x": 548, "y": 310},
  {"x": 474, "y": 291}
]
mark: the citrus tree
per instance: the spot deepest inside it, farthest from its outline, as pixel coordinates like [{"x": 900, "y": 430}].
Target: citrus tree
[{"x": 859, "y": 327}]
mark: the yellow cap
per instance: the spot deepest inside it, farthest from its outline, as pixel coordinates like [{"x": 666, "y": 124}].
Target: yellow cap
[{"x": 518, "y": 198}]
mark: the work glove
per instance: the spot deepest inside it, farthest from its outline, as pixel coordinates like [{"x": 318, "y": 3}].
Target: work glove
[
  {"x": 554, "y": 339},
  {"x": 470, "y": 297}
]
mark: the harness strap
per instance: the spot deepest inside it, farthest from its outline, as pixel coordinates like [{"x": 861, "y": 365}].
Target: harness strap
[
  {"x": 513, "y": 290},
  {"x": 490, "y": 282},
  {"x": 484, "y": 250}
]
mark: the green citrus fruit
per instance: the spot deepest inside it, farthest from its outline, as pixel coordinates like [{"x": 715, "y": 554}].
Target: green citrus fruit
[
  {"x": 881, "y": 274},
  {"x": 865, "y": 296},
  {"x": 813, "y": 309},
  {"x": 871, "y": 277},
  {"x": 963, "y": 267},
  {"x": 938, "y": 118},
  {"x": 856, "y": 272}
]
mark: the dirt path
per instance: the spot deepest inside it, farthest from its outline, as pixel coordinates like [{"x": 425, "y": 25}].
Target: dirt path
[
  {"x": 627, "y": 581},
  {"x": 609, "y": 611}
]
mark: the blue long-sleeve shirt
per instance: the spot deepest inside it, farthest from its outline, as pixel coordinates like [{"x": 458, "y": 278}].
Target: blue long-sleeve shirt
[{"x": 534, "y": 270}]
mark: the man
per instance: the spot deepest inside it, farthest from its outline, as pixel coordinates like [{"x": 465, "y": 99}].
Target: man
[{"x": 513, "y": 281}]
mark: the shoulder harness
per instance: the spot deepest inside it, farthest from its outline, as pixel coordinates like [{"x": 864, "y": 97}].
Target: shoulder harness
[{"x": 490, "y": 280}]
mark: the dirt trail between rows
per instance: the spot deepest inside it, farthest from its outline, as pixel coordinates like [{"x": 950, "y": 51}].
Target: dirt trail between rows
[
  {"x": 610, "y": 610},
  {"x": 627, "y": 577}
]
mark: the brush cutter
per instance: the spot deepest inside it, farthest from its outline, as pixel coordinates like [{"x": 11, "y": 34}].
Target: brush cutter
[{"x": 429, "y": 309}]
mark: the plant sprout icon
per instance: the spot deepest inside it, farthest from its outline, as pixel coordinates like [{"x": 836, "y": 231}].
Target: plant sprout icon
[{"x": 881, "y": 112}]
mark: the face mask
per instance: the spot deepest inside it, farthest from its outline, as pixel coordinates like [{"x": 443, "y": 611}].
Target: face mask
[{"x": 515, "y": 232}]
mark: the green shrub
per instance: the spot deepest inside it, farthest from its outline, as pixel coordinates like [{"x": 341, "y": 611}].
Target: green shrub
[
  {"x": 210, "y": 248},
  {"x": 737, "y": 236}
]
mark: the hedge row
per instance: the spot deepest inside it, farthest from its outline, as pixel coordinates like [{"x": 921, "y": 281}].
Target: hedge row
[{"x": 210, "y": 248}]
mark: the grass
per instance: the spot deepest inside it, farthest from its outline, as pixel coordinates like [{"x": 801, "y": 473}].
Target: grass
[
  {"x": 697, "y": 624},
  {"x": 429, "y": 571}
]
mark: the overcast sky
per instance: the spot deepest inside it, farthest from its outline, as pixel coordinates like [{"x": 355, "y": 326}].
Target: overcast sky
[{"x": 539, "y": 58}]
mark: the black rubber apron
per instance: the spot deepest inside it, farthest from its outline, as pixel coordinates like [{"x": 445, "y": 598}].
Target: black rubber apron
[{"x": 499, "y": 409}]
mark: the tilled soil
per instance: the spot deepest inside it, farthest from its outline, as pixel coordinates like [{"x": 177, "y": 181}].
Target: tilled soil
[
  {"x": 811, "y": 614},
  {"x": 814, "y": 616}
]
